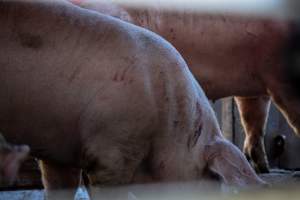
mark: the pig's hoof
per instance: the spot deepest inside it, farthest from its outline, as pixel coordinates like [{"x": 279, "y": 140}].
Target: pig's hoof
[
  {"x": 257, "y": 159},
  {"x": 262, "y": 168}
]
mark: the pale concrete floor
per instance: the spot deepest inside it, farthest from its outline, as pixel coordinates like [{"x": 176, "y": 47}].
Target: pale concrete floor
[
  {"x": 36, "y": 195},
  {"x": 280, "y": 177}
]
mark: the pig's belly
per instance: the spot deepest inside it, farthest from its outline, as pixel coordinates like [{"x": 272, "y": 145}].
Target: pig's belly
[
  {"x": 52, "y": 121},
  {"x": 222, "y": 78},
  {"x": 46, "y": 120},
  {"x": 49, "y": 138}
]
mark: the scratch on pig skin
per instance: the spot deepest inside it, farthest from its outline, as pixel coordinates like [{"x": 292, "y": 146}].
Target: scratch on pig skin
[
  {"x": 192, "y": 139},
  {"x": 74, "y": 74},
  {"x": 124, "y": 74},
  {"x": 119, "y": 77},
  {"x": 248, "y": 32},
  {"x": 162, "y": 165},
  {"x": 251, "y": 34}
]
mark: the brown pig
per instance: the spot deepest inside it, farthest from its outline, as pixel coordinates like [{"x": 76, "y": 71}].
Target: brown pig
[
  {"x": 89, "y": 92},
  {"x": 229, "y": 56}
]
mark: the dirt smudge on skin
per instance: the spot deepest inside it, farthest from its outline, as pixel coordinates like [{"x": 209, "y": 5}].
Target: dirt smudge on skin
[{"x": 31, "y": 41}]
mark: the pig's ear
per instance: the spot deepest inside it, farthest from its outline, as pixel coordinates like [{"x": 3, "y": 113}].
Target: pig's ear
[
  {"x": 230, "y": 164},
  {"x": 12, "y": 162}
]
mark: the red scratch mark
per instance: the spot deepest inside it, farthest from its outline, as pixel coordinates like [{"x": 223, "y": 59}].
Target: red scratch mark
[
  {"x": 192, "y": 139},
  {"x": 119, "y": 77},
  {"x": 115, "y": 77},
  {"x": 124, "y": 74},
  {"x": 162, "y": 165}
]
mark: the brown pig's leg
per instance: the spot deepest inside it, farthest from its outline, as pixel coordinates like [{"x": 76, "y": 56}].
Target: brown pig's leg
[
  {"x": 110, "y": 172},
  {"x": 60, "y": 182},
  {"x": 230, "y": 164},
  {"x": 287, "y": 99},
  {"x": 254, "y": 113}
]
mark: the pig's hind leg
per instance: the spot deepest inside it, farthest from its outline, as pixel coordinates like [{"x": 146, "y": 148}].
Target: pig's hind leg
[
  {"x": 254, "y": 113},
  {"x": 60, "y": 182},
  {"x": 111, "y": 165}
]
